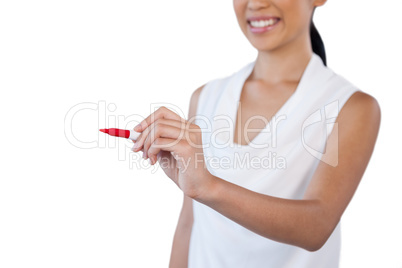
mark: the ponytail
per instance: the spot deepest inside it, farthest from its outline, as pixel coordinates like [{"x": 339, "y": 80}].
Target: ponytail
[{"x": 317, "y": 43}]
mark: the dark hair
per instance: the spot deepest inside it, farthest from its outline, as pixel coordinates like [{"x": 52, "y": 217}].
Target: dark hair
[{"x": 316, "y": 42}]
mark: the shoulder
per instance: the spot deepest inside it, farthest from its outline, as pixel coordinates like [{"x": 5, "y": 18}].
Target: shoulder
[
  {"x": 362, "y": 106},
  {"x": 194, "y": 101},
  {"x": 212, "y": 89},
  {"x": 215, "y": 89},
  {"x": 354, "y": 102},
  {"x": 359, "y": 122}
]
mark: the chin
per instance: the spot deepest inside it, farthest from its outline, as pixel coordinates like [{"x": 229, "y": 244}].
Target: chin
[{"x": 263, "y": 46}]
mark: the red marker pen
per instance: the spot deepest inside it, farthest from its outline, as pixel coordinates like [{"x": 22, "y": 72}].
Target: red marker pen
[{"x": 123, "y": 133}]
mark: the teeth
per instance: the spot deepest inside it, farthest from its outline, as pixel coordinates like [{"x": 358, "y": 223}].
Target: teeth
[{"x": 263, "y": 23}]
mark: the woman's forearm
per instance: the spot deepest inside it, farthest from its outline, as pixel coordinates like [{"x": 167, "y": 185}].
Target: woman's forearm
[
  {"x": 302, "y": 223},
  {"x": 181, "y": 240}
]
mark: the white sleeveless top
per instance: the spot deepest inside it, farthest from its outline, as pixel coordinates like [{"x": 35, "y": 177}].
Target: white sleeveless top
[{"x": 295, "y": 140}]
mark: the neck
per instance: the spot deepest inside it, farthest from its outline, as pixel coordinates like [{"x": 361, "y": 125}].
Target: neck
[{"x": 284, "y": 64}]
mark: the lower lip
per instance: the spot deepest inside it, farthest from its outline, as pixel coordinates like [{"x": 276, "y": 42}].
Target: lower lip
[{"x": 263, "y": 29}]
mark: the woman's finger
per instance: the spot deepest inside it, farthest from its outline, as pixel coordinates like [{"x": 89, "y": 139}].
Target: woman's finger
[
  {"x": 165, "y": 144},
  {"x": 144, "y": 134},
  {"x": 162, "y": 112},
  {"x": 163, "y": 131}
]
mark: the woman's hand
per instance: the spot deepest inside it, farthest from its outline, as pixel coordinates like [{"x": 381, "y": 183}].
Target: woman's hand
[{"x": 177, "y": 145}]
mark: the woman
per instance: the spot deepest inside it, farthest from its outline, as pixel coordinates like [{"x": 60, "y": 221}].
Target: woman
[{"x": 285, "y": 210}]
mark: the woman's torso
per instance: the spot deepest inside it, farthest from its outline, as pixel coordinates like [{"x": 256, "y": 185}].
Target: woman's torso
[{"x": 279, "y": 161}]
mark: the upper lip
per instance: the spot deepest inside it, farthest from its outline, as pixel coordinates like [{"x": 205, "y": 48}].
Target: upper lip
[{"x": 257, "y": 18}]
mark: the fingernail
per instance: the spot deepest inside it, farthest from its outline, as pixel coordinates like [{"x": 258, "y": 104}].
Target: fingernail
[
  {"x": 149, "y": 161},
  {"x": 137, "y": 127}
]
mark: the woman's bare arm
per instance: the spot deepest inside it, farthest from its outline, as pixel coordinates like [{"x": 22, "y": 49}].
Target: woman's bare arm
[
  {"x": 309, "y": 222},
  {"x": 181, "y": 240},
  {"x": 179, "y": 254}
]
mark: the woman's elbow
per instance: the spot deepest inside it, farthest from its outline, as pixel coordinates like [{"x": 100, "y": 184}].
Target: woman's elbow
[
  {"x": 318, "y": 239},
  {"x": 314, "y": 245}
]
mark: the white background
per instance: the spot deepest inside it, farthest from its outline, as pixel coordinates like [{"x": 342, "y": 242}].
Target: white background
[{"x": 65, "y": 206}]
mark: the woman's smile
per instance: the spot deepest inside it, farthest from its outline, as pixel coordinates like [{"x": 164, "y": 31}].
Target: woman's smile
[{"x": 262, "y": 24}]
